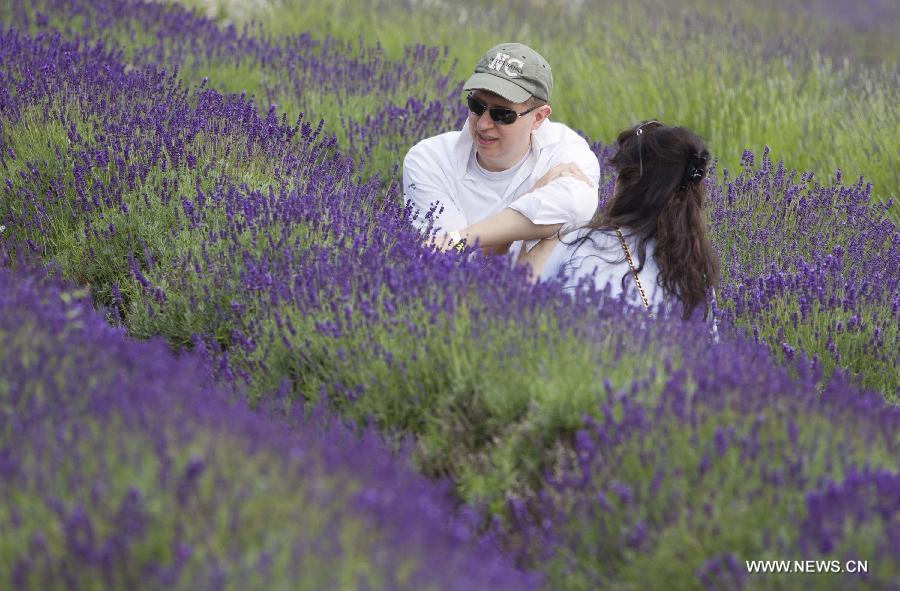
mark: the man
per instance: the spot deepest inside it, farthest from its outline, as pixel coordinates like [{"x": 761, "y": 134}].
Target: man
[{"x": 510, "y": 174}]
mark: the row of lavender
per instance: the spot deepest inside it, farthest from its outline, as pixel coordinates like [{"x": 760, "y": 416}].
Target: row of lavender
[
  {"x": 126, "y": 467},
  {"x": 153, "y": 195}
]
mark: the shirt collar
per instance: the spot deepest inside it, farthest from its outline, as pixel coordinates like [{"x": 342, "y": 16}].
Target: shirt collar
[{"x": 462, "y": 148}]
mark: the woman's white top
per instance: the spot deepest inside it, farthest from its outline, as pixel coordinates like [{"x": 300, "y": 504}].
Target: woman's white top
[{"x": 600, "y": 259}]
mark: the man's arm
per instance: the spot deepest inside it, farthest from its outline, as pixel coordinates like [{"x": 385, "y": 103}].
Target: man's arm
[
  {"x": 500, "y": 230},
  {"x": 570, "y": 199}
]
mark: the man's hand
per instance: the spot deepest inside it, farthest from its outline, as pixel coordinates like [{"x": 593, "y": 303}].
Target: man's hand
[
  {"x": 447, "y": 242},
  {"x": 566, "y": 169}
]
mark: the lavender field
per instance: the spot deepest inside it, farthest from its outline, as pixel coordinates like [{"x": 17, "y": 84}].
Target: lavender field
[{"x": 228, "y": 360}]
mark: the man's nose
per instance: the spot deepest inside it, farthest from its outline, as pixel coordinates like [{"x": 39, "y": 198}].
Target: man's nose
[{"x": 485, "y": 121}]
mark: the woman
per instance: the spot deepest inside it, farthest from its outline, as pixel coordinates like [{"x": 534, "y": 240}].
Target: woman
[{"x": 650, "y": 240}]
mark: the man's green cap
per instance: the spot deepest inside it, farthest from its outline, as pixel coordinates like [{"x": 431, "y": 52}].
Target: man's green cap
[{"x": 514, "y": 71}]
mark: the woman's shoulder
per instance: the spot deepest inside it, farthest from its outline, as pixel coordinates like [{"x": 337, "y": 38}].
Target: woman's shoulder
[
  {"x": 597, "y": 253},
  {"x": 586, "y": 240},
  {"x": 575, "y": 246}
]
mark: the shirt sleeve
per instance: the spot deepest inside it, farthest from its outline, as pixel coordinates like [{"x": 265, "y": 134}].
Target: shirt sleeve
[
  {"x": 425, "y": 188},
  {"x": 566, "y": 200}
]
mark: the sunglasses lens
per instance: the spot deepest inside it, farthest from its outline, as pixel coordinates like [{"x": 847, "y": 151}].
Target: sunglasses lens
[
  {"x": 503, "y": 116},
  {"x": 474, "y": 106},
  {"x": 498, "y": 114}
]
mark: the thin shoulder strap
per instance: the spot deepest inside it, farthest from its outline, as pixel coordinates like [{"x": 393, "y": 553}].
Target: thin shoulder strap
[{"x": 634, "y": 270}]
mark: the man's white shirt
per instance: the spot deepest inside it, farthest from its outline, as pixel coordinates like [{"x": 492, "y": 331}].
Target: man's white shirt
[{"x": 443, "y": 170}]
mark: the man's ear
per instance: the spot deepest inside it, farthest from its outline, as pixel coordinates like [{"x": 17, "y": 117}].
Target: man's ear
[{"x": 540, "y": 114}]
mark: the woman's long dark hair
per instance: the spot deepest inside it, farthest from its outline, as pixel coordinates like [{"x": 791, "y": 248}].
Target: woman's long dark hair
[{"x": 659, "y": 195}]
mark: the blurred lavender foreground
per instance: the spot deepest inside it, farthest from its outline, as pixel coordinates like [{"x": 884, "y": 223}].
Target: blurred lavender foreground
[{"x": 124, "y": 467}]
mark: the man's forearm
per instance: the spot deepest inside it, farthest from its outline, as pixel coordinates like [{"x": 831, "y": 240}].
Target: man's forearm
[{"x": 505, "y": 227}]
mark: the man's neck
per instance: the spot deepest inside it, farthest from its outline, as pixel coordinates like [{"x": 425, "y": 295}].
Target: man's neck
[{"x": 506, "y": 164}]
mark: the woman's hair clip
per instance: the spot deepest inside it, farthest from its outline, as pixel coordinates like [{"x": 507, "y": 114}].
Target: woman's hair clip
[{"x": 696, "y": 170}]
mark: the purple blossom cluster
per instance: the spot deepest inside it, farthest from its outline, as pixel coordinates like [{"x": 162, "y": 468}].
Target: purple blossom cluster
[
  {"x": 124, "y": 466},
  {"x": 812, "y": 268}
]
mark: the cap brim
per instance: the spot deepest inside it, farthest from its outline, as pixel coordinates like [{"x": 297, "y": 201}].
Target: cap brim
[{"x": 497, "y": 85}]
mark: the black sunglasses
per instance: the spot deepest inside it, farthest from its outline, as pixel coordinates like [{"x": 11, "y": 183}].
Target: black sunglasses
[{"x": 500, "y": 115}]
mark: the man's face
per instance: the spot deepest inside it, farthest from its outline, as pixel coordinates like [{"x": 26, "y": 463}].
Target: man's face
[{"x": 501, "y": 146}]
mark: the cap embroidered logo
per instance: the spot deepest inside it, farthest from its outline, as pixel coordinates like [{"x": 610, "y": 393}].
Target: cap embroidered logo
[{"x": 512, "y": 67}]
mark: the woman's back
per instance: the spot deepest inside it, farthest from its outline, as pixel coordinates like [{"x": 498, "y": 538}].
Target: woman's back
[{"x": 597, "y": 256}]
